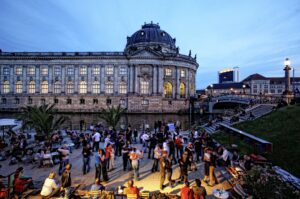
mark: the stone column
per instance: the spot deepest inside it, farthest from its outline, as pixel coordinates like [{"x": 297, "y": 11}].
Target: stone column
[
  {"x": 50, "y": 79},
  {"x": 12, "y": 80},
  {"x": 154, "y": 80},
  {"x": 129, "y": 78},
  {"x": 188, "y": 83},
  {"x": 161, "y": 80},
  {"x": 37, "y": 79},
  {"x": 134, "y": 90},
  {"x": 115, "y": 80},
  {"x": 89, "y": 78},
  {"x": 64, "y": 78},
  {"x": 177, "y": 90},
  {"x": 102, "y": 79},
  {"x": 76, "y": 79},
  {"x": 24, "y": 79}
]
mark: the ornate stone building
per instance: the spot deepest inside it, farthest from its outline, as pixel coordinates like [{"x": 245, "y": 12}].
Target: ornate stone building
[{"x": 149, "y": 76}]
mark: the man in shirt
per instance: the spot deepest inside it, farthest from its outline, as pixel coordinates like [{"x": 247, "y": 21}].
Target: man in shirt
[
  {"x": 86, "y": 153},
  {"x": 66, "y": 180},
  {"x": 64, "y": 158},
  {"x": 50, "y": 188},
  {"x": 96, "y": 140},
  {"x": 132, "y": 189}
]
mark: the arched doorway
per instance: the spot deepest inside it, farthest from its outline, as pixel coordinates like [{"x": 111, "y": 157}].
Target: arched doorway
[
  {"x": 168, "y": 90},
  {"x": 182, "y": 90}
]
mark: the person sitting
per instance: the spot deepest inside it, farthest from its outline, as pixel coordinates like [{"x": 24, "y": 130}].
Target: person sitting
[
  {"x": 20, "y": 185},
  {"x": 198, "y": 190},
  {"x": 50, "y": 188},
  {"x": 131, "y": 189},
  {"x": 186, "y": 192},
  {"x": 97, "y": 186}
]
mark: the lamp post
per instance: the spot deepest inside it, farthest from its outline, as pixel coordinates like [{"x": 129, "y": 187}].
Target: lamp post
[
  {"x": 244, "y": 86},
  {"x": 287, "y": 69},
  {"x": 231, "y": 90},
  {"x": 211, "y": 89}
]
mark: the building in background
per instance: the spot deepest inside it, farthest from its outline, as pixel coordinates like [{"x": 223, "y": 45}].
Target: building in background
[
  {"x": 226, "y": 76},
  {"x": 150, "y": 75}
]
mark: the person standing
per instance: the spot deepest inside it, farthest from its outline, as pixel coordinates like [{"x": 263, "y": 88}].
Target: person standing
[
  {"x": 66, "y": 180},
  {"x": 165, "y": 163},
  {"x": 212, "y": 166},
  {"x": 206, "y": 159},
  {"x": 198, "y": 147},
  {"x": 135, "y": 155},
  {"x": 125, "y": 156},
  {"x": 152, "y": 144},
  {"x": 96, "y": 140},
  {"x": 199, "y": 192},
  {"x": 135, "y": 135},
  {"x": 108, "y": 152},
  {"x": 112, "y": 158},
  {"x": 184, "y": 163},
  {"x": 64, "y": 158},
  {"x": 179, "y": 146},
  {"x": 157, "y": 156},
  {"x": 86, "y": 153}
]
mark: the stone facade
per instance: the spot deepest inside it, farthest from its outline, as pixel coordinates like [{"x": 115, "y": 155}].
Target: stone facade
[{"x": 149, "y": 76}]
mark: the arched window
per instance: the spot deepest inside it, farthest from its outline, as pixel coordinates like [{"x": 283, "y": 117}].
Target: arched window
[
  {"x": 44, "y": 87},
  {"x": 57, "y": 87},
  {"x": 109, "y": 87},
  {"x": 19, "y": 87},
  {"x": 168, "y": 90},
  {"x": 96, "y": 87},
  {"x": 6, "y": 86},
  {"x": 123, "y": 87},
  {"x": 31, "y": 87},
  {"x": 144, "y": 87},
  {"x": 182, "y": 90},
  {"x": 82, "y": 87},
  {"x": 70, "y": 87}
]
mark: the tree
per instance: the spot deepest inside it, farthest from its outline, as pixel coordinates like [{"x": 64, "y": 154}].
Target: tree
[
  {"x": 41, "y": 118},
  {"x": 112, "y": 115}
]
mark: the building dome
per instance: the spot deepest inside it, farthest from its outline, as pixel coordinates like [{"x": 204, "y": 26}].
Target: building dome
[{"x": 151, "y": 34}]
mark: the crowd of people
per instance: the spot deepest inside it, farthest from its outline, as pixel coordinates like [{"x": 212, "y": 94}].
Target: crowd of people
[{"x": 166, "y": 148}]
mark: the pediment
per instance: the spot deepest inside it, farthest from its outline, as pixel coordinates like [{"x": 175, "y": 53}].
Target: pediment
[{"x": 146, "y": 53}]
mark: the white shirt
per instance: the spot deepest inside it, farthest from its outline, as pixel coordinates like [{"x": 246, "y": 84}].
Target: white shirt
[
  {"x": 65, "y": 153},
  {"x": 145, "y": 137},
  {"x": 97, "y": 137},
  {"x": 106, "y": 141},
  {"x": 196, "y": 134},
  {"x": 225, "y": 155},
  {"x": 48, "y": 187}
]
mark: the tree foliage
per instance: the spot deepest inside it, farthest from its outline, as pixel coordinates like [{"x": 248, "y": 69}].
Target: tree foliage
[
  {"x": 41, "y": 118},
  {"x": 112, "y": 115}
]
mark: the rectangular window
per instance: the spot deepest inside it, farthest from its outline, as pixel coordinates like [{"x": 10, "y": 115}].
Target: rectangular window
[
  {"x": 29, "y": 100},
  {"x": 109, "y": 70},
  {"x": 6, "y": 71},
  {"x": 123, "y": 88},
  {"x": 44, "y": 70},
  {"x": 19, "y": 70},
  {"x": 182, "y": 73},
  {"x": 95, "y": 101},
  {"x": 96, "y": 70},
  {"x": 69, "y": 101},
  {"x": 19, "y": 87},
  {"x": 82, "y": 101},
  {"x": 123, "y": 70},
  {"x": 279, "y": 91},
  {"x": 144, "y": 87},
  {"x": 70, "y": 71},
  {"x": 109, "y": 89},
  {"x": 43, "y": 101},
  {"x": 122, "y": 102},
  {"x": 57, "y": 70},
  {"x": 31, "y": 70},
  {"x": 272, "y": 91},
  {"x": 70, "y": 87},
  {"x": 83, "y": 70},
  {"x": 55, "y": 101},
  {"x": 57, "y": 87},
  {"x": 3, "y": 100},
  {"x": 108, "y": 101},
  {"x": 168, "y": 72},
  {"x": 17, "y": 101}
]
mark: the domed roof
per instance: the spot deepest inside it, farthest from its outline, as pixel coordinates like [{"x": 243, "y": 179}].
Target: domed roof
[{"x": 151, "y": 33}]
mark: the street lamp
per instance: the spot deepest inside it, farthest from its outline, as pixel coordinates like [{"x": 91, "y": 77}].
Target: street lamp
[
  {"x": 211, "y": 89},
  {"x": 287, "y": 69},
  {"x": 231, "y": 90},
  {"x": 244, "y": 86}
]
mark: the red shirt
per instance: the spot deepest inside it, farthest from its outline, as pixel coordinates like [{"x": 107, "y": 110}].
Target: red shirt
[
  {"x": 19, "y": 185},
  {"x": 186, "y": 193},
  {"x": 132, "y": 190},
  {"x": 108, "y": 151}
]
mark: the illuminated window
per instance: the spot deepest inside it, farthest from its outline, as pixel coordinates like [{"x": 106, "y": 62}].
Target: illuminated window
[
  {"x": 44, "y": 86},
  {"x": 96, "y": 70},
  {"x": 109, "y": 87},
  {"x": 168, "y": 72},
  {"x": 123, "y": 70},
  {"x": 70, "y": 71},
  {"x": 6, "y": 71},
  {"x": 182, "y": 90},
  {"x": 6, "y": 87},
  {"x": 31, "y": 70},
  {"x": 109, "y": 70},
  {"x": 82, "y": 87},
  {"x": 19, "y": 70},
  {"x": 123, "y": 88},
  {"x": 168, "y": 90},
  {"x": 57, "y": 87},
  {"x": 182, "y": 73},
  {"x": 83, "y": 70},
  {"x": 57, "y": 70},
  {"x": 19, "y": 87},
  {"x": 70, "y": 87},
  {"x": 31, "y": 87},
  {"x": 144, "y": 87},
  {"x": 96, "y": 87},
  {"x": 44, "y": 71}
]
